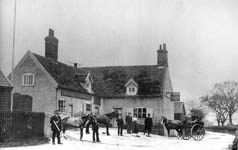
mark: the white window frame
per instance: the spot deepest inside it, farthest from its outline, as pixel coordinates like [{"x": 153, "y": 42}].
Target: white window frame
[
  {"x": 131, "y": 90},
  {"x": 143, "y": 114},
  {"x": 62, "y": 107},
  {"x": 90, "y": 107},
  {"x": 26, "y": 80}
]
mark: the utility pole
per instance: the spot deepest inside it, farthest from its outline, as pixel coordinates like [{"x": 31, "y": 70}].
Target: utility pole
[{"x": 13, "y": 51}]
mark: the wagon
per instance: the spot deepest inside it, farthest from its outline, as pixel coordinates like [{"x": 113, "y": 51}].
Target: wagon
[{"x": 194, "y": 129}]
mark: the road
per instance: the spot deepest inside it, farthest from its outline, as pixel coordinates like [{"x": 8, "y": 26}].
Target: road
[{"x": 212, "y": 141}]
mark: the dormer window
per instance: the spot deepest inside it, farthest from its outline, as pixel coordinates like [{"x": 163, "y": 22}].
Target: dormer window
[{"x": 131, "y": 87}]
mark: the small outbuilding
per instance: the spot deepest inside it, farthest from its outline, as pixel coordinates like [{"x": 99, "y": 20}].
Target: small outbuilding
[{"x": 5, "y": 93}]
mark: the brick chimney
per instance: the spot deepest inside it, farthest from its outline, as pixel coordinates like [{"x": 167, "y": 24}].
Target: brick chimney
[
  {"x": 51, "y": 46},
  {"x": 162, "y": 56}
]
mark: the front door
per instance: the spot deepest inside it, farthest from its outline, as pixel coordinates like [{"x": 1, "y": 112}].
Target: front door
[{"x": 71, "y": 110}]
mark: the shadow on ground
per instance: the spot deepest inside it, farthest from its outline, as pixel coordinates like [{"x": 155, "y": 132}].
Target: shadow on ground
[{"x": 24, "y": 142}]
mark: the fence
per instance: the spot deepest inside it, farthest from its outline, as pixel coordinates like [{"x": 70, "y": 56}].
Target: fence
[{"x": 21, "y": 125}]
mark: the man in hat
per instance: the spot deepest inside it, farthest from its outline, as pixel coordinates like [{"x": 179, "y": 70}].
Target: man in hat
[
  {"x": 148, "y": 124},
  {"x": 55, "y": 122},
  {"x": 120, "y": 124},
  {"x": 95, "y": 128},
  {"x": 128, "y": 123}
]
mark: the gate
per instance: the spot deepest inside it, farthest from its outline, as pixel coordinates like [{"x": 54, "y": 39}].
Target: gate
[{"x": 21, "y": 125}]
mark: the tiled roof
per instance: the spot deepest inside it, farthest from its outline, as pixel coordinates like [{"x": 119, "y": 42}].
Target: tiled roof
[
  {"x": 68, "y": 77},
  {"x": 110, "y": 81},
  {"x": 107, "y": 81},
  {"x": 4, "y": 81}
]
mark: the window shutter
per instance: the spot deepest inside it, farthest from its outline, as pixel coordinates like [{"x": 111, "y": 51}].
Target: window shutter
[
  {"x": 129, "y": 110},
  {"x": 150, "y": 111}
]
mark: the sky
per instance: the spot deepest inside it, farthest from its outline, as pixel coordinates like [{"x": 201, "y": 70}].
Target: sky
[{"x": 201, "y": 36}]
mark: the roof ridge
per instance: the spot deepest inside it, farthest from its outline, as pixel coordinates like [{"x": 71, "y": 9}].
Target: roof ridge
[
  {"x": 122, "y": 66},
  {"x": 60, "y": 63}
]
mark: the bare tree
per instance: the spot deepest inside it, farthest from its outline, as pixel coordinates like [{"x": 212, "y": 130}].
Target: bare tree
[
  {"x": 215, "y": 102},
  {"x": 223, "y": 99}
]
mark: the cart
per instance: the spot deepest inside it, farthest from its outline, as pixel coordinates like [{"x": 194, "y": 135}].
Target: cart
[{"x": 194, "y": 129}]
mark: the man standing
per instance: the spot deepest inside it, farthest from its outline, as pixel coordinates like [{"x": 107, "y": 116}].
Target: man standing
[
  {"x": 120, "y": 124},
  {"x": 128, "y": 123},
  {"x": 95, "y": 128},
  {"x": 148, "y": 124},
  {"x": 55, "y": 122}
]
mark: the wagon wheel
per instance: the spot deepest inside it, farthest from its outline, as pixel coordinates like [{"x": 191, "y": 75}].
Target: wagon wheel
[
  {"x": 186, "y": 134},
  {"x": 197, "y": 132}
]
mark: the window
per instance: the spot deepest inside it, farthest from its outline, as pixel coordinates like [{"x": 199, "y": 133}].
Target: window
[
  {"x": 131, "y": 90},
  {"x": 28, "y": 79},
  {"x": 61, "y": 105},
  {"x": 131, "y": 87},
  {"x": 88, "y": 107},
  {"x": 142, "y": 112},
  {"x": 96, "y": 110}
]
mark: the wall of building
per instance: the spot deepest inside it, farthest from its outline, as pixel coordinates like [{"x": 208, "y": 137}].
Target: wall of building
[
  {"x": 78, "y": 104},
  {"x": 156, "y": 103},
  {"x": 168, "y": 105},
  {"x": 43, "y": 92}
]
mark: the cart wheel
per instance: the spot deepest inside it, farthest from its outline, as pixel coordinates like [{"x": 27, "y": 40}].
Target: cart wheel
[
  {"x": 197, "y": 132},
  {"x": 186, "y": 134}
]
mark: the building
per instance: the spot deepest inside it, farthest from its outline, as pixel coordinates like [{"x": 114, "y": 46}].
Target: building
[
  {"x": 53, "y": 85},
  {"x": 5, "y": 93},
  {"x": 179, "y": 111}
]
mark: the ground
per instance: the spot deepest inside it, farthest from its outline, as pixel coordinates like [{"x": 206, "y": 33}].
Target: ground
[{"x": 212, "y": 141}]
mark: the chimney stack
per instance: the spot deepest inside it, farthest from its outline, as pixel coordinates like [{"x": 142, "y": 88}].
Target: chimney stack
[
  {"x": 75, "y": 65},
  {"x": 51, "y": 46},
  {"x": 162, "y": 56}
]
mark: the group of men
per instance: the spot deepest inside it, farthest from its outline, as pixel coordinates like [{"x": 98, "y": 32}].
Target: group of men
[
  {"x": 131, "y": 124},
  {"x": 56, "y": 126}
]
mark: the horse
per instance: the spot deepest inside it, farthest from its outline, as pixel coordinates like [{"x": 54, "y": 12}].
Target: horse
[
  {"x": 173, "y": 124},
  {"x": 103, "y": 119},
  {"x": 74, "y": 122}
]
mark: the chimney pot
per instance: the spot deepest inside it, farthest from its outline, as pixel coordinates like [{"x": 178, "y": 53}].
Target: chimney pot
[
  {"x": 51, "y": 32},
  {"x": 164, "y": 46},
  {"x": 160, "y": 47},
  {"x": 75, "y": 65}
]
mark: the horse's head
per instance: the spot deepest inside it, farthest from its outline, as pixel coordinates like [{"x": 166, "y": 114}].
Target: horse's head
[
  {"x": 113, "y": 114},
  {"x": 163, "y": 120}
]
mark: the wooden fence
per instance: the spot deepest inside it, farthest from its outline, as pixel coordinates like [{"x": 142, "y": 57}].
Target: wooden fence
[{"x": 21, "y": 125}]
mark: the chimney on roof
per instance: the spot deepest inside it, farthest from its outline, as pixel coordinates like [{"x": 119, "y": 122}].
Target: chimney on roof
[
  {"x": 51, "y": 46},
  {"x": 75, "y": 65},
  {"x": 162, "y": 56}
]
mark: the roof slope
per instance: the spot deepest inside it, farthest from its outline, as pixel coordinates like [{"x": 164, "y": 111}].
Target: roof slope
[
  {"x": 4, "y": 81},
  {"x": 110, "y": 81},
  {"x": 63, "y": 74}
]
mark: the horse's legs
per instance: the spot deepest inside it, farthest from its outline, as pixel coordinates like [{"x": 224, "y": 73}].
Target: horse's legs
[
  {"x": 107, "y": 130},
  {"x": 179, "y": 132},
  {"x": 81, "y": 133},
  {"x": 168, "y": 130},
  {"x": 87, "y": 128}
]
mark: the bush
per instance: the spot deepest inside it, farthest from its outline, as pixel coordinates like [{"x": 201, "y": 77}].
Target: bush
[{"x": 223, "y": 129}]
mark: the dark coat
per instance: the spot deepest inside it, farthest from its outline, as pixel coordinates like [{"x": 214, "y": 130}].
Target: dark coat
[
  {"x": 128, "y": 119},
  {"x": 148, "y": 123},
  {"x": 120, "y": 122},
  {"x": 57, "y": 120},
  {"x": 95, "y": 125}
]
